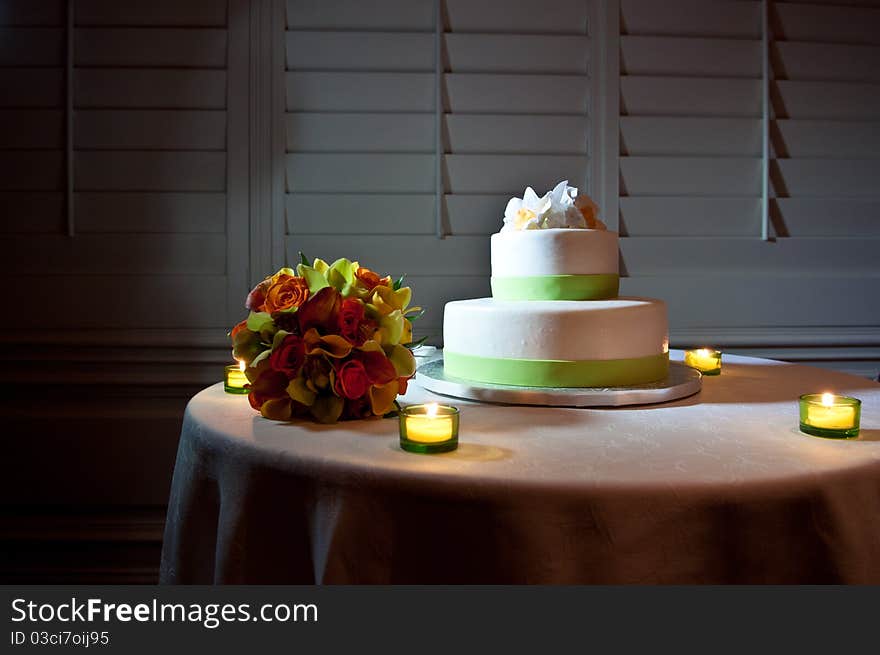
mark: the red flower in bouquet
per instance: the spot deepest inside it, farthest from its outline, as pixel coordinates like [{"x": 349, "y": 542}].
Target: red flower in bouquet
[
  {"x": 256, "y": 299},
  {"x": 378, "y": 367},
  {"x": 286, "y": 292},
  {"x": 288, "y": 356},
  {"x": 351, "y": 318},
  {"x": 269, "y": 384},
  {"x": 321, "y": 311},
  {"x": 352, "y": 381},
  {"x": 238, "y": 328}
]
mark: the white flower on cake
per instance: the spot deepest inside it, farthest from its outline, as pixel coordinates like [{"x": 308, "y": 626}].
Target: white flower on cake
[{"x": 560, "y": 208}]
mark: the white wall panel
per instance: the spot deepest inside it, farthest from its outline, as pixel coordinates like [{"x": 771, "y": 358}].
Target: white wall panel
[
  {"x": 94, "y": 254},
  {"x": 360, "y": 51},
  {"x": 696, "y": 176},
  {"x": 828, "y": 100},
  {"x": 31, "y": 129},
  {"x": 814, "y": 22},
  {"x": 689, "y": 57},
  {"x": 34, "y": 87},
  {"x": 28, "y": 12},
  {"x": 477, "y": 213},
  {"x": 350, "y": 213},
  {"x": 725, "y": 302},
  {"x": 689, "y": 136},
  {"x": 827, "y": 62},
  {"x": 831, "y": 139},
  {"x": 205, "y": 13},
  {"x": 829, "y": 216},
  {"x": 147, "y": 213},
  {"x": 691, "y": 18},
  {"x": 510, "y": 174},
  {"x": 517, "y": 94},
  {"x": 150, "y": 88},
  {"x": 150, "y": 130},
  {"x": 398, "y": 15},
  {"x": 21, "y": 46},
  {"x": 32, "y": 212},
  {"x": 359, "y": 132},
  {"x": 150, "y": 47},
  {"x": 31, "y": 170},
  {"x": 749, "y": 258},
  {"x": 511, "y": 53},
  {"x": 827, "y": 177},
  {"x": 150, "y": 171},
  {"x": 689, "y": 96},
  {"x": 360, "y": 173},
  {"x": 517, "y": 134},
  {"x": 690, "y": 215},
  {"x": 121, "y": 301},
  {"x": 398, "y": 255},
  {"x": 517, "y": 16},
  {"x": 369, "y": 92}
]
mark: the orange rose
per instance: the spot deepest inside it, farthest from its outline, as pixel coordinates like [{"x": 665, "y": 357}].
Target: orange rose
[
  {"x": 368, "y": 278},
  {"x": 287, "y": 291}
]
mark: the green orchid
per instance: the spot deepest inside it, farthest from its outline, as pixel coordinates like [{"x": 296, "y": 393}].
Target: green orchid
[
  {"x": 299, "y": 390},
  {"x": 327, "y": 408},
  {"x": 246, "y": 346}
]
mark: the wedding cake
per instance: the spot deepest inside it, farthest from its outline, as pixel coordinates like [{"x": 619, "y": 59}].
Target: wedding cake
[{"x": 554, "y": 318}]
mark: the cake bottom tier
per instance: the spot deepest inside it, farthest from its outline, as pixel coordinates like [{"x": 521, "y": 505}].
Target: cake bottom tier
[{"x": 602, "y": 343}]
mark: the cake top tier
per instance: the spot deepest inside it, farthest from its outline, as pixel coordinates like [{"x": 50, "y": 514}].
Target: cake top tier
[{"x": 562, "y": 207}]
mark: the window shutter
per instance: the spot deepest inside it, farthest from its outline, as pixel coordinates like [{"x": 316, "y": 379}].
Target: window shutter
[
  {"x": 149, "y": 163},
  {"x": 691, "y": 170},
  {"x": 826, "y": 128},
  {"x": 31, "y": 117},
  {"x": 362, "y": 147}
]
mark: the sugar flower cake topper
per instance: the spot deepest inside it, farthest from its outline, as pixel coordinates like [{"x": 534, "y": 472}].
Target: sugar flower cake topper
[{"x": 562, "y": 207}]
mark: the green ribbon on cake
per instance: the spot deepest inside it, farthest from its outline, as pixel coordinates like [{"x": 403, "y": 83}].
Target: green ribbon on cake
[
  {"x": 556, "y": 287},
  {"x": 555, "y": 373}
]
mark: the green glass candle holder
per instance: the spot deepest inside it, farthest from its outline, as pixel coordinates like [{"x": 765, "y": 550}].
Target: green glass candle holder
[
  {"x": 706, "y": 360},
  {"x": 830, "y": 416},
  {"x": 234, "y": 379},
  {"x": 429, "y": 428}
]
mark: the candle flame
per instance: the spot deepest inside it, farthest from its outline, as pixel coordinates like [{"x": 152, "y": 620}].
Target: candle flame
[
  {"x": 827, "y": 399},
  {"x": 241, "y": 365},
  {"x": 431, "y": 410}
]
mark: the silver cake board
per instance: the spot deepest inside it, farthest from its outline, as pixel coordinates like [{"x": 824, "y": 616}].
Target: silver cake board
[{"x": 681, "y": 382}]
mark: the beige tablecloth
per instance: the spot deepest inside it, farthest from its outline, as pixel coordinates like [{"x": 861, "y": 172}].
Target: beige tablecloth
[{"x": 720, "y": 487}]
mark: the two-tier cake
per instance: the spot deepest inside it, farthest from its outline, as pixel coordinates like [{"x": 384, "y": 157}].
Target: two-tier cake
[{"x": 554, "y": 318}]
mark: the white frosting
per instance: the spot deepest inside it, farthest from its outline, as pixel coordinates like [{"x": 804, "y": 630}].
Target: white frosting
[
  {"x": 622, "y": 328},
  {"x": 553, "y": 252}
]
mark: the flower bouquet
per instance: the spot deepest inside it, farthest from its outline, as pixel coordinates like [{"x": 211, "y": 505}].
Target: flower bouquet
[{"x": 327, "y": 341}]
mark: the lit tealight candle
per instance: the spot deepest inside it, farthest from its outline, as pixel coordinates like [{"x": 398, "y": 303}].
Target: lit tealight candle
[
  {"x": 235, "y": 379},
  {"x": 705, "y": 360},
  {"x": 429, "y": 428},
  {"x": 827, "y": 415}
]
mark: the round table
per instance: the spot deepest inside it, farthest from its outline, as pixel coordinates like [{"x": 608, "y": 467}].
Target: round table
[{"x": 720, "y": 487}]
